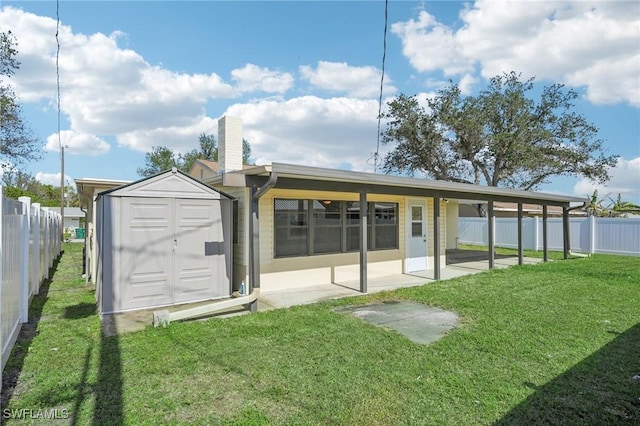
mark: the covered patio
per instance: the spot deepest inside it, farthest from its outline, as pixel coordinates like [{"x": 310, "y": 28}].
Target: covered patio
[
  {"x": 262, "y": 179},
  {"x": 459, "y": 263}
]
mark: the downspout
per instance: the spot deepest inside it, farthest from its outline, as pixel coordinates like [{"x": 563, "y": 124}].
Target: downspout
[
  {"x": 86, "y": 248},
  {"x": 164, "y": 317},
  {"x": 584, "y": 205},
  {"x": 254, "y": 228}
]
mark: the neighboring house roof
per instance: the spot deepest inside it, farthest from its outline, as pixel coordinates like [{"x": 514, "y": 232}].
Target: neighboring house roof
[
  {"x": 214, "y": 166},
  {"x": 89, "y": 187},
  {"x": 527, "y": 208},
  {"x": 305, "y": 177},
  {"x": 69, "y": 212}
]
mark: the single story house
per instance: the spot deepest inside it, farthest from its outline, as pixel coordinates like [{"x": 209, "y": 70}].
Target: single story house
[
  {"x": 73, "y": 216},
  {"x": 300, "y": 226},
  {"x": 296, "y": 226}
]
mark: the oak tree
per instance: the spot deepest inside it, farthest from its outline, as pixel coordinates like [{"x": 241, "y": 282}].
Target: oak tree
[{"x": 500, "y": 137}]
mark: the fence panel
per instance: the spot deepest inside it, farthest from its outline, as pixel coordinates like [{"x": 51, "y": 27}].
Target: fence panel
[
  {"x": 30, "y": 241},
  {"x": 587, "y": 234},
  {"x": 13, "y": 229},
  {"x": 617, "y": 236}
]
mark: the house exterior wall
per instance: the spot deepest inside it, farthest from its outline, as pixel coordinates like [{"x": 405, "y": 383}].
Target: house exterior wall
[
  {"x": 451, "y": 218},
  {"x": 303, "y": 271},
  {"x": 241, "y": 246},
  {"x": 280, "y": 273}
]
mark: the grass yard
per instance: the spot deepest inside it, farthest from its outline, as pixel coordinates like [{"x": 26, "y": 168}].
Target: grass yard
[{"x": 554, "y": 343}]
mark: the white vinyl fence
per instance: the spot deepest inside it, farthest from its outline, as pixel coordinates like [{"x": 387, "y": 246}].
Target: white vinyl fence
[
  {"x": 587, "y": 234},
  {"x": 30, "y": 239}
]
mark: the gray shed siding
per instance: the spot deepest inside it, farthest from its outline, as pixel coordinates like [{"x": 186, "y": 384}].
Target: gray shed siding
[{"x": 163, "y": 241}]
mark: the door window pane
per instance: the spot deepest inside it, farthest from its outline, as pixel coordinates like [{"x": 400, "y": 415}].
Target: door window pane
[{"x": 416, "y": 221}]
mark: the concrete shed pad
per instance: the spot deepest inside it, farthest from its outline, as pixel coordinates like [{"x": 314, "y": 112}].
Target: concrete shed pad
[{"x": 419, "y": 323}]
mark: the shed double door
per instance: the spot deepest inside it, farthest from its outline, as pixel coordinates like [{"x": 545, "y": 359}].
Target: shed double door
[{"x": 176, "y": 252}]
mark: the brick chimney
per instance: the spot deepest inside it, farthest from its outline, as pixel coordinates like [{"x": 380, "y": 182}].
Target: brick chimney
[{"x": 229, "y": 144}]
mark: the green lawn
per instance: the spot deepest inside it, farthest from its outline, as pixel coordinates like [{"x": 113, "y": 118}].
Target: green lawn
[{"x": 554, "y": 343}]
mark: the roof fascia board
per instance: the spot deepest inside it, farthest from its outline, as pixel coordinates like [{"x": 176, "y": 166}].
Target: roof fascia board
[
  {"x": 333, "y": 186},
  {"x": 492, "y": 193}
]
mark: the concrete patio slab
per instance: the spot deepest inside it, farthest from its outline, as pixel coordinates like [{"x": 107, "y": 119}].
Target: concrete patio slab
[{"x": 419, "y": 323}]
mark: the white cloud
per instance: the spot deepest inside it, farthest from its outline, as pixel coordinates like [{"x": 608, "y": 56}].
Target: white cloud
[
  {"x": 53, "y": 179},
  {"x": 334, "y": 133},
  {"x": 625, "y": 180},
  {"x": 105, "y": 89},
  {"x": 179, "y": 138},
  {"x": 430, "y": 45},
  {"x": 340, "y": 77},
  {"x": 466, "y": 84},
  {"x": 77, "y": 143},
  {"x": 252, "y": 78},
  {"x": 590, "y": 44}
]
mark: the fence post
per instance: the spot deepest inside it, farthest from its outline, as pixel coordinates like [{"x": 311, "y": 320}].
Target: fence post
[
  {"x": 1, "y": 279},
  {"x": 36, "y": 246},
  {"x": 47, "y": 243},
  {"x": 592, "y": 234},
  {"x": 24, "y": 267}
]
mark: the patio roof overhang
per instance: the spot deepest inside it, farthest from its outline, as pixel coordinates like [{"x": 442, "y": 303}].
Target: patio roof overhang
[
  {"x": 87, "y": 188},
  {"x": 315, "y": 178}
]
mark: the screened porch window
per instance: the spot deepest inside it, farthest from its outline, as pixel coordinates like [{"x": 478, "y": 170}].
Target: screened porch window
[
  {"x": 291, "y": 227},
  {"x": 313, "y": 227}
]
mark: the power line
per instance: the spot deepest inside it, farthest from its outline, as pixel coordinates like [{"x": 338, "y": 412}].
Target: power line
[
  {"x": 58, "y": 92},
  {"x": 384, "y": 57}
]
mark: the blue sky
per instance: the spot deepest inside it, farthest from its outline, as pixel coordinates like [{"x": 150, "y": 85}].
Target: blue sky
[{"x": 304, "y": 76}]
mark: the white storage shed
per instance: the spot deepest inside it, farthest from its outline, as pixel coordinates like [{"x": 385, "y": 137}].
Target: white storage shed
[{"x": 162, "y": 241}]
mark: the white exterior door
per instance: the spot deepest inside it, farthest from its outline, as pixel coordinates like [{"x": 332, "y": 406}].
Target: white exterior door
[{"x": 416, "y": 236}]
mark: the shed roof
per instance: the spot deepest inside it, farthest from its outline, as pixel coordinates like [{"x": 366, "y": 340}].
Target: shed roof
[
  {"x": 168, "y": 184},
  {"x": 69, "y": 212}
]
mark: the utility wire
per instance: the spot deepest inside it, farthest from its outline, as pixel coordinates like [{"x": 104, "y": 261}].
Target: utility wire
[
  {"x": 376, "y": 157},
  {"x": 58, "y": 92}
]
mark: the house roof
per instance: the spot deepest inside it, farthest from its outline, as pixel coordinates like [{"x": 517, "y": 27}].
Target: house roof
[
  {"x": 315, "y": 178},
  {"x": 89, "y": 187},
  {"x": 214, "y": 166},
  {"x": 69, "y": 212}
]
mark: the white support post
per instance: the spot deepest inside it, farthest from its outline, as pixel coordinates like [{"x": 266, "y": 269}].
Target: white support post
[
  {"x": 36, "y": 247},
  {"x": 536, "y": 229},
  {"x": 592, "y": 234},
  {"x": 24, "y": 267}
]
